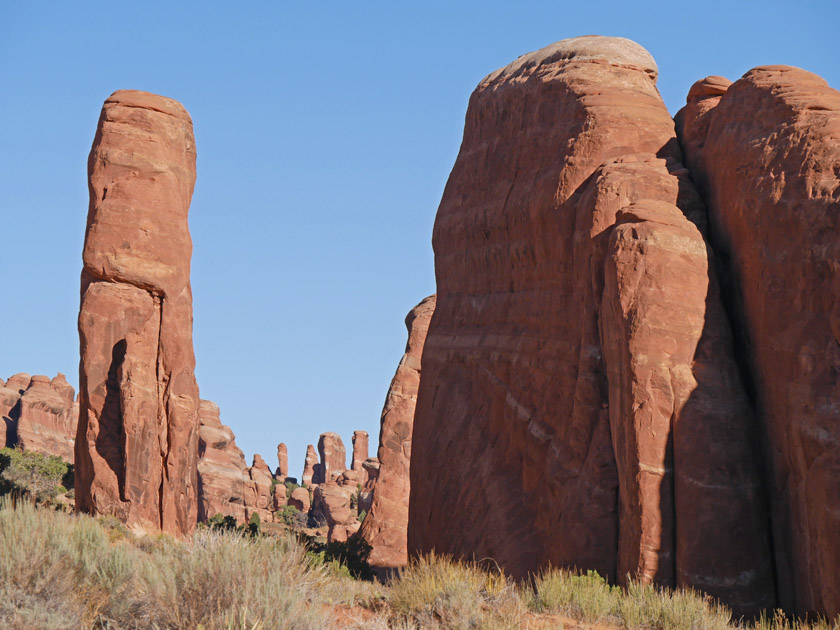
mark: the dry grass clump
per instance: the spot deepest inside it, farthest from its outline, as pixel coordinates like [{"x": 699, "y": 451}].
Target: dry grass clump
[
  {"x": 63, "y": 572},
  {"x": 438, "y": 592},
  {"x": 587, "y": 597}
]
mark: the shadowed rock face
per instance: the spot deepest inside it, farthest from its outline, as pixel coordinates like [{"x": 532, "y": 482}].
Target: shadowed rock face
[
  {"x": 137, "y": 441},
  {"x": 386, "y": 525},
  {"x": 562, "y": 417},
  {"x": 766, "y": 152},
  {"x": 222, "y": 477}
]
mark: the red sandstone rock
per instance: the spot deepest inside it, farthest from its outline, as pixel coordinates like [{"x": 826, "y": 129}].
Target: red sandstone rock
[
  {"x": 46, "y": 418},
  {"x": 501, "y": 361},
  {"x": 222, "y": 476},
  {"x": 386, "y": 524},
  {"x": 333, "y": 456},
  {"x": 567, "y": 407},
  {"x": 300, "y": 499},
  {"x": 360, "y": 450},
  {"x": 259, "y": 497},
  {"x": 309, "y": 466},
  {"x": 331, "y": 503},
  {"x": 261, "y": 464},
  {"x": 767, "y": 156},
  {"x": 18, "y": 382},
  {"x": 279, "y": 496},
  {"x": 282, "y": 463},
  {"x": 137, "y": 442}
]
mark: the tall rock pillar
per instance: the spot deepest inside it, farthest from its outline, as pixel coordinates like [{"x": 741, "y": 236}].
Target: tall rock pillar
[
  {"x": 137, "y": 440},
  {"x": 386, "y": 525}
]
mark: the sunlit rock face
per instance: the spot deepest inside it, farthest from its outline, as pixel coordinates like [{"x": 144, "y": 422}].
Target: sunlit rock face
[
  {"x": 579, "y": 403},
  {"x": 386, "y": 525},
  {"x": 137, "y": 441}
]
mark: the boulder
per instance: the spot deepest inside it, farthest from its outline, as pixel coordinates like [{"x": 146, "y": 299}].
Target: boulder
[
  {"x": 385, "y": 499},
  {"x": 137, "y": 441},
  {"x": 332, "y": 504},
  {"x": 300, "y": 499},
  {"x": 766, "y": 155}
]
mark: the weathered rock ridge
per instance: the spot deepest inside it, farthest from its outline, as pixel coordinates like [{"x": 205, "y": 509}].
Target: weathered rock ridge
[
  {"x": 137, "y": 441},
  {"x": 580, "y": 404},
  {"x": 39, "y": 414},
  {"x": 386, "y": 525},
  {"x": 765, "y": 152}
]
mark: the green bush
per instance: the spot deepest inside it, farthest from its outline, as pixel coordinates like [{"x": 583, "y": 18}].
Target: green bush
[
  {"x": 352, "y": 555},
  {"x": 292, "y": 517},
  {"x": 29, "y": 474}
]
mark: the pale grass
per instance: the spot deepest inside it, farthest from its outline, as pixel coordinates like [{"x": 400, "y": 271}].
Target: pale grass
[{"x": 64, "y": 572}]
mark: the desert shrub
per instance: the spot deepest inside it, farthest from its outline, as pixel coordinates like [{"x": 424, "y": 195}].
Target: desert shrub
[
  {"x": 436, "y": 591},
  {"x": 291, "y": 487},
  {"x": 30, "y": 474},
  {"x": 349, "y": 558},
  {"x": 292, "y": 517},
  {"x": 362, "y": 515},
  {"x": 254, "y": 525},
  {"x": 225, "y": 523},
  {"x": 60, "y": 571}
]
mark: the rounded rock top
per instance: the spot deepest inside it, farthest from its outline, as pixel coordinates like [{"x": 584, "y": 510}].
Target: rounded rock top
[
  {"x": 147, "y": 100},
  {"x": 616, "y": 51}
]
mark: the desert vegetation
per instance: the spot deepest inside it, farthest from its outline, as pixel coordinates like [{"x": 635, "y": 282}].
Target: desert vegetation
[{"x": 64, "y": 571}]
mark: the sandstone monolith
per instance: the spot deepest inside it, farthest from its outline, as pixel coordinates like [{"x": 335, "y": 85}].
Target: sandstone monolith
[
  {"x": 309, "y": 464},
  {"x": 360, "y": 450},
  {"x": 386, "y": 524},
  {"x": 137, "y": 440},
  {"x": 47, "y": 417},
  {"x": 282, "y": 462},
  {"x": 333, "y": 456},
  {"x": 765, "y": 152},
  {"x": 555, "y": 390}
]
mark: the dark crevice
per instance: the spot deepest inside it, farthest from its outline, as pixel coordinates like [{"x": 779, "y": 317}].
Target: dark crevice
[
  {"x": 731, "y": 298},
  {"x": 110, "y": 442}
]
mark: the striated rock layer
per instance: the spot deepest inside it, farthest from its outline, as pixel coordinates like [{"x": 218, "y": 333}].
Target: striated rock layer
[
  {"x": 574, "y": 393},
  {"x": 386, "y": 525},
  {"x": 766, "y": 153},
  {"x": 137, "y": 441}
]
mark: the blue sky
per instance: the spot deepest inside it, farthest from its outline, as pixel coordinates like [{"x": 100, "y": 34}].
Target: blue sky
[{"x": 325, "y": 133}]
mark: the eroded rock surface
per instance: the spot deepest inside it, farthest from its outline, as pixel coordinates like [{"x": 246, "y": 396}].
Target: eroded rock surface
[
  {"x": 309, "y": 464},
  {"x": 137, "y": 441},
  {"x": 386, "y": 524},
  {"x": 360, "y": 450},
  {"x": 333, "y": 457},
  {"x": 766, "y": 153},
  {"x": 222, "y": 477},
  {"x": 282, "y": 462},
  {"x": 47, "y": 415},
  {"x": 562, "y": 417}
]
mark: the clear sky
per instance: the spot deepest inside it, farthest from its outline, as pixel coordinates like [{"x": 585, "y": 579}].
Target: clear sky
[{"x": 325, "y": 133}]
